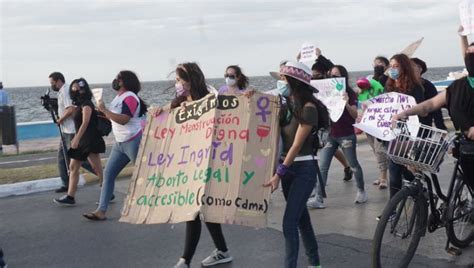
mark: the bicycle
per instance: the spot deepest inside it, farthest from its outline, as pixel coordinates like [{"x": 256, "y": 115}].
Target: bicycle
[{"x": 405, "y": 218}]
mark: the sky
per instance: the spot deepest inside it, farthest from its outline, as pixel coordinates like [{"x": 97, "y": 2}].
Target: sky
[{"x": 97, "y": 39}]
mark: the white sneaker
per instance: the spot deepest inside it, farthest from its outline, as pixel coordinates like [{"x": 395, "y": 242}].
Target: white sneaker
[
  {"x": 217, "y": 257},
  {"x": 181, "y": 264},
  {"x": 315, "y": 202},
  {"x": 361, "y": 197}
]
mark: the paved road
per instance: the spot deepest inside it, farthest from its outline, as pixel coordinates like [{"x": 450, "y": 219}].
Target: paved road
[
  {"x": 34, "y": 232},
  {"x": 37, "y": 233}
]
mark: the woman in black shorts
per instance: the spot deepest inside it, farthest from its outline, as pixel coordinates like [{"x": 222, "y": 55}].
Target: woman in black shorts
[{"x": 87, "y": 144}]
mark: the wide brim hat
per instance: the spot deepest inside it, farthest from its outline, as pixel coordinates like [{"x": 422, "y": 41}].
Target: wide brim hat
[{"x": 296, "y": 70}]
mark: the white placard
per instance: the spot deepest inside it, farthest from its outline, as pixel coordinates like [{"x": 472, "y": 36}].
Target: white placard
[
  {"x": 331, "y": 92},
  {"x": 466, "y": 15},
  {"x": 308, "y": 52},
  {"x": 377, "y": 117},
  {"x": 97, "y": 92}
]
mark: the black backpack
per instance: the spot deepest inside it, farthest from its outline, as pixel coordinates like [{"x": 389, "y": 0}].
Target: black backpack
[{"x": 104, "y": 125}]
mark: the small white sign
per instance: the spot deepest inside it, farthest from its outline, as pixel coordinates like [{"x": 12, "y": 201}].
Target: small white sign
[
  {"x": 466, "y": 15},
  {"x": 308, "y": 52},
  {"x": 331, "y": 92},
  {"x": 97, "y": 92}
]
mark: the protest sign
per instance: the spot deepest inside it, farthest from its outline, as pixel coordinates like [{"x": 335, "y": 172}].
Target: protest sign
[
  {"x": 308, "y": 53},
  {"x": 466, "y": 15},
  {"x": 377, "y": 117},
  {"x": 411, "y": 48},
  {"x": 97, "y": 93},
  {"x": 331, "y": 92},
  {"x": 210, "y": 157}
]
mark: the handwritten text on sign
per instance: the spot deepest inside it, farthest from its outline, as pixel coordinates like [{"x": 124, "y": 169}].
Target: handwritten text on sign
[
  {"x": 331, "y": 92},
  {"x": 210, "y": 158},
  {"x": 377, "y": 118},
  {"x": 308, "y": 52}
]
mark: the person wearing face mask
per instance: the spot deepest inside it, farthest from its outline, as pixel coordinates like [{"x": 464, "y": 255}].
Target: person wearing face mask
[
  {"x": 342, "y": 136},
  {"x": 298, "y": 167},
  {"x": 402, "y": 79},
  {"x": 87, "y": 144},
  {"x": 65, "y": 121},
  {"x": 370, "y": 88},
  {"x": 191, "y": 86},
  {"x": 458, "y": 98},
  {"x": 380, "y": 66},
  {"x": 125, "y": 113},
  {"x": 235, "y": 81}
]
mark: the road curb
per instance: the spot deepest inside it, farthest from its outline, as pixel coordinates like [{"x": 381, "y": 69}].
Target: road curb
[{"x": 29, "y": 187}]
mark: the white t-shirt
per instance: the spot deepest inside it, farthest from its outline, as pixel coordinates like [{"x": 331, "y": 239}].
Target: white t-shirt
[
  {"x": 64, "y": 101},
  {"x": 123, "y": 133}
]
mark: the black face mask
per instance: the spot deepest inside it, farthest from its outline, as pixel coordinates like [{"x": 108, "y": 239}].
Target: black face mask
[
  {"x": 318, "y": 77},
  {"x": 115, "y": 84},
  {"x": 469, "y": 62},
  {"x": 378, "y": 70}
]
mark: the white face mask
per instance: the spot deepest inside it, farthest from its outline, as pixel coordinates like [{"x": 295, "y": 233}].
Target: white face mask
[{"x": 230, "y": 81}]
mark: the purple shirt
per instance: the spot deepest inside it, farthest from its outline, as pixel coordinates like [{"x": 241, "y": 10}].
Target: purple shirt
[{"x": 343, "y": 127}]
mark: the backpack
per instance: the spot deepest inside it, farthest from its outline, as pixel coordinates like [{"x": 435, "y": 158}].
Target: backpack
[{"x": 104, "y": 125}]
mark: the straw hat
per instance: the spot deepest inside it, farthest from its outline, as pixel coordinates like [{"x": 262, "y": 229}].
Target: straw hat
[{"x": 298, "y": 71}]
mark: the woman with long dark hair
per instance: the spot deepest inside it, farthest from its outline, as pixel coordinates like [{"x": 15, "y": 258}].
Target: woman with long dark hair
[
  {"x": 302, "y": 115},
  {"x": 402, "y": 79},
  {"x": 87, "y": 144},
  {"x": 342, "y": 135},
  {"x": 124, "y": 112},
  {"x": 191, "y": 86},
  {"x": 235, "y": 81}
]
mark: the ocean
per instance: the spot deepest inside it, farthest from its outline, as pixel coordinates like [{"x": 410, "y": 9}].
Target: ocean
[{"x": 29, "y": 109}]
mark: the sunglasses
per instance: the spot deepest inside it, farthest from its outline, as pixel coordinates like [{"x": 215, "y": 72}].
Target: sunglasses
[{"x": 231, "y": 76}]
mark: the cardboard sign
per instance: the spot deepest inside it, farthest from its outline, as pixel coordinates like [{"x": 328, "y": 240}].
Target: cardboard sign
[
  {"x": 377, "y": 117},
  {"x": 466, "y": 15},
  {"x": 209, "y": 158},
  {"x": 331, "y": 93},
  {"x": 308, "y": 52},
  {"x": 411, "y": 48}
]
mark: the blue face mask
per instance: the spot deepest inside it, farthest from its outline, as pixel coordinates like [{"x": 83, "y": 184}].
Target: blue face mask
[
  {"x": 283, "y": 88},
  {"x": 393, "y": 73}
]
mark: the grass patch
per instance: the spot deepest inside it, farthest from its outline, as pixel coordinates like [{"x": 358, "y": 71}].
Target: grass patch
[{"x": 13, "y": 175}]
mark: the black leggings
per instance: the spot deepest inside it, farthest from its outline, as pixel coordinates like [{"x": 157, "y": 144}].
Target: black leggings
[{"x": 193, "y": 233}]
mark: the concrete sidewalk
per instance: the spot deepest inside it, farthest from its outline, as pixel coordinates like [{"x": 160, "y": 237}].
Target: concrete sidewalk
[{"x": 37, "y": 233}]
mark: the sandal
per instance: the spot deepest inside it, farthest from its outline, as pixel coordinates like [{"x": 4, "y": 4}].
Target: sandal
[
  {"x": 93, "y": 217},
  {"x": 383, "y": 185},
  {"x": 376, "y": 182}
]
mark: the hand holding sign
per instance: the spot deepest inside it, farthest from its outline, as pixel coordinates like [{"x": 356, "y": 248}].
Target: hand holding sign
[
  {"x": 377, "y": 118},
  {"x": 97, "y": 93}
]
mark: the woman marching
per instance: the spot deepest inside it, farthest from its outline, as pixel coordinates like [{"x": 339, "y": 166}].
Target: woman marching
[
  {"x": 87, "y": 144},
  {"x": 124, "y": 112},
  {"x": 298, "y": 168},
  {"x": 191, "y": 86},
  {"x": 235, "y": 81}
]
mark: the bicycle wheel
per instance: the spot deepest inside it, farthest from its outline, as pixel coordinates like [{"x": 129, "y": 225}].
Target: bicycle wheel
[
  {"x": 460, "y": 215},
  {"x": 399, "y": 230}
]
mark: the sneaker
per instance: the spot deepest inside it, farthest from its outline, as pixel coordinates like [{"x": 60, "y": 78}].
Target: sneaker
[
  {"x": 217, "y": 257},
  {"x": 112, "y": 200},
  {"x": 63, "y": 189},
  {"x": 181, "y": 264},
  {"x": 65, "y": 200},
  {"x": 347, "y": 174},
  {"x": 361, "y": 197},
  {"x": 315, "y": 203}
]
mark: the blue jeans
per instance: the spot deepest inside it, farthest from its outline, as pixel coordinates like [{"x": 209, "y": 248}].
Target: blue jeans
[
  {"x": 67, "y": 138},
  {"x": 122, "y": 153},
  {"x": 348, "y": 145},
  {"x": 297, "y": 186}
]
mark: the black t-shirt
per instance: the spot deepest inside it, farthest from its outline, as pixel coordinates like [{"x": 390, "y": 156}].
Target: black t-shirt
[
  {"x": 288, "y": 132},
  {"x": 460, "y": 102},
  {"x": 437, "y": 116},
  {"x": 418, "y": 93}
]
